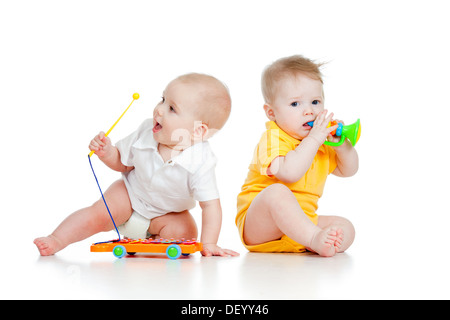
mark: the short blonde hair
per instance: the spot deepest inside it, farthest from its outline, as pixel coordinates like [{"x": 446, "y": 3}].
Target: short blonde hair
[
  {"x": 214, "y": 99},
  {"x": 288, "y": 66}
]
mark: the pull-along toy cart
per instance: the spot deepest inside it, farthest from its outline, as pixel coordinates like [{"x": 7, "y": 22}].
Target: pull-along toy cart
[{"x": 172, "y": 248}]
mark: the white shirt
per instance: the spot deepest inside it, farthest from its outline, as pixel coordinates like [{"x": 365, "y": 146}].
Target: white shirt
[{"x": 156, "y": 187}]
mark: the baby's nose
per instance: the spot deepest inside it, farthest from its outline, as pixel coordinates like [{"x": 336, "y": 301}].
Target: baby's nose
[
  {"x": 308, "y": 111},
  {"x": 158, "y": 111}
]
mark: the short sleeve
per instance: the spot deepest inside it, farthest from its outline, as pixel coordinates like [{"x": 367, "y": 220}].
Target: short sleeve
[
  {"x": 270, "y": 147},
  {"x": 203, "y": 182}
]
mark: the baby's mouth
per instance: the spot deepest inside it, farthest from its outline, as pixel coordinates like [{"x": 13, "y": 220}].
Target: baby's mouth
[
  {"x": 157, "y": 127},
  {"x": 308, "y": 125}
]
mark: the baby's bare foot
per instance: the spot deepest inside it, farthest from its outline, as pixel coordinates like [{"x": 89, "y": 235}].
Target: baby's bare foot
[
  {"x": 48, "y": 245},
  {"x": 327, "y": 242},
  {"x": 339, "y": 239}
]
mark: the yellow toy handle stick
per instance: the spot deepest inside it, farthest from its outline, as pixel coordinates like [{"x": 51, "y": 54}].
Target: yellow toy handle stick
[{"x": 135, "y": 97}]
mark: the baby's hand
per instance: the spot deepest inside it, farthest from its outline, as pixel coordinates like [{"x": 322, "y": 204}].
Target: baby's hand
[
  {"x": 319, "y": 131},
  {"x": 210, "y": 249},
  {"x": 332, "y": 138},
  {"x": 100, "y": 144}
]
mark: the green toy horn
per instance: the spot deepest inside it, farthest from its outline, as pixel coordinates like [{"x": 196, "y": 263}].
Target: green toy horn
[{"x": 351, "y": 131}]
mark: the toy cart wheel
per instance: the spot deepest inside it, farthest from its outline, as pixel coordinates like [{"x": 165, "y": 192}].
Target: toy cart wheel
[
  {"x": 173, "y": 251},
  {"x": 131, "y": 253},
  {"x": 119, "y": 251}
]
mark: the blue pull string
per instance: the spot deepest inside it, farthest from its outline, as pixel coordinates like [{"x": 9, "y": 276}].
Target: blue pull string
[{"x": 112, "y": 219}]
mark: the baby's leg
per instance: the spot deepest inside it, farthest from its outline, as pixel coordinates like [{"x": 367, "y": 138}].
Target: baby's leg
[
  {"x": 275, "y": 212},
  {"x": 174, "y": 225},
  {"x": 346, "y": 237},
  {"x": 88, "y": 221}
]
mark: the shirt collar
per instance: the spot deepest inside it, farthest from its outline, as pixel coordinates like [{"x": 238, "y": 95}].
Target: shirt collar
[
  {"x": 296, "y": 142},
  {"x": 146, "y": 140},
  {"x": 191, "y": 158}
]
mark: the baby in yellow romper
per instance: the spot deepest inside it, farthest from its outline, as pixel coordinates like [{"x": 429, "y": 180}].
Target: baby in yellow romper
[{"x": 278, "y": 202}]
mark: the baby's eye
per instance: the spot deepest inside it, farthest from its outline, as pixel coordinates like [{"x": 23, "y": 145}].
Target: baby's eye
[
  {"x": 171, "y": 109},
  {"x": 315, "y": 102},
  {"x": 294, "y": 104},
  {"x": 163, "y": 99}
]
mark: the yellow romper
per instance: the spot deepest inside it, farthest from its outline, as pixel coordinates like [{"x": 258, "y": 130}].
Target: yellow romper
[{"x": 274, "y": 143}]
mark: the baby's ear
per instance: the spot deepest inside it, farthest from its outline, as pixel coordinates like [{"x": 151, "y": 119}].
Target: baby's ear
[
  {"x": 269, "y": 112},
  {"x": 201, "y": 131}
]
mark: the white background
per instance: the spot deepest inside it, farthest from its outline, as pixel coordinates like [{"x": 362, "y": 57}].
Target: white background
[{"x": 69, "y": 68}]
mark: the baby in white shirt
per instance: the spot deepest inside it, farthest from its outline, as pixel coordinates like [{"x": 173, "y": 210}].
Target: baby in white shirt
[{"x": 167, "y": 166}]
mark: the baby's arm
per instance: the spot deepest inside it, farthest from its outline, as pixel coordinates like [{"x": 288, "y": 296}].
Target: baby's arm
[
  {"x": 108, "y": 153},
  {"x": 211, "y": 224},
  {"x": 294, "y": 165},
  {"x": 347, "y": 160}
]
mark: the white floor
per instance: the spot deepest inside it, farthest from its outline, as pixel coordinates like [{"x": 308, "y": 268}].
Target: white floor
[{"x": 76, "y": 273}]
